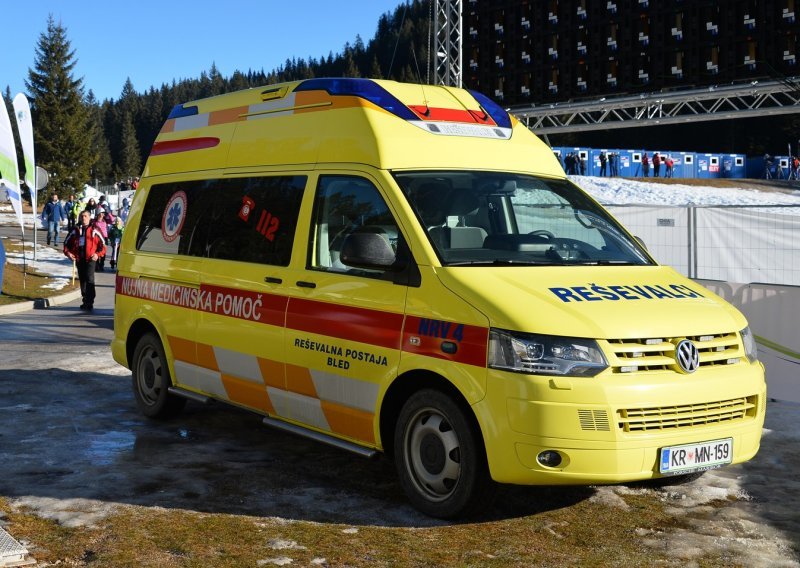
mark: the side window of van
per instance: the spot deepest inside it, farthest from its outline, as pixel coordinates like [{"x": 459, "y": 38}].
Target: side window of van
[
  {"x": 173, "y": 218},
  {"x": 244, "y": 219},
  {"x": 346, "y": 205},
  {"x": 255, "y": 219}
]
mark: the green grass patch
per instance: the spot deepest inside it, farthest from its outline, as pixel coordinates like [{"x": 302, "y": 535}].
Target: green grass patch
[
  {"x": 585, "y": 533},
  {"x": 23, "y": 284}
]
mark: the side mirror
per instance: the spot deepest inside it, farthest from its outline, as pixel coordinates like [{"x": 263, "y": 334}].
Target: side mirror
[
  {"x": 367, "y": 250},
  {"x": 641, "y": 242}
]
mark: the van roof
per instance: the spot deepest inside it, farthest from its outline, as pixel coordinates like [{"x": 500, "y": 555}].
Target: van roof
[{"x": 385, "y": 124}]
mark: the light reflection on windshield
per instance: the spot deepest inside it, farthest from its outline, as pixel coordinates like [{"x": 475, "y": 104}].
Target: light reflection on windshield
[{"x": 479, "y": 218}]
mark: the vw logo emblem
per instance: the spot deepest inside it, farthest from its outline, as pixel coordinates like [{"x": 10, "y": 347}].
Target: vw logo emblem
[{"x": 688, "y": 356}]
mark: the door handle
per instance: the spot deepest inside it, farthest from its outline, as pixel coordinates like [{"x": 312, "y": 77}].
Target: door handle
[
  {"x": 304, "y": 284},
  {"x": 273, "y": 280}
]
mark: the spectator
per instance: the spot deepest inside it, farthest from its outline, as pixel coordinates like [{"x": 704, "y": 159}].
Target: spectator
[
  {"x": 91, "y": 207},
  {"x": 656, "y": 165},
  {"x": 53, "y": 215},
  {"x": 71, "y": 207},
  {"x": 582, "y": 163},
  {"x": 556, "y": 154},
  {"x": 603, "y": 163},
  {"x": 124, "y": 210},
  {"x": 645, "y": 165},
  {"x": 668, "y": 164},
  {"x": 613, "y": 164},
  {"x": 84, "y": 246},
  {"x": 114, "y": 239},
  {"x": 768, "y": 163},
  {"x": 102, "y": 226}
]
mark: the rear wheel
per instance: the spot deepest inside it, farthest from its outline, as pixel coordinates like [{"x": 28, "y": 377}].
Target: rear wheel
[
  {"x": 151, "y": 380},
  {"x": 440, "y": 458}
]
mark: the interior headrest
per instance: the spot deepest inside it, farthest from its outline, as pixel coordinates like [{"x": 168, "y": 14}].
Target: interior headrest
[{"x": 462, "y": 202}]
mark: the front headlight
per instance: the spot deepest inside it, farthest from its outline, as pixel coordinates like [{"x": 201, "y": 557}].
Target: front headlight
[
  {"x": 749, "y": 342},
  {"x": 544, "y": 354}
]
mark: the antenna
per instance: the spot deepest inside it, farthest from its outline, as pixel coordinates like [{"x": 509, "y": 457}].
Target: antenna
[
  {"x": 399, "y": 31},
  {"x": 430, "y": 33},
  {"x": 416, "y": 64}
]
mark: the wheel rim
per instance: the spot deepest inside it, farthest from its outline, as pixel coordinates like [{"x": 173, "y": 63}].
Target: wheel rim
[
  {"x": 149, "y": 376},
  {"x": 433, "y": 454}
]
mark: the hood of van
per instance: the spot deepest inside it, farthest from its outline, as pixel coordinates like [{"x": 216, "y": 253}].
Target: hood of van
[{"x": 602, "y": 302}]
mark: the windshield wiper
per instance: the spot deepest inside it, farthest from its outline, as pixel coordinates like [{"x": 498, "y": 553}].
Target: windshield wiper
[
  {"x": 499, "y": 262},
  {"x": 603, "y": 262}
]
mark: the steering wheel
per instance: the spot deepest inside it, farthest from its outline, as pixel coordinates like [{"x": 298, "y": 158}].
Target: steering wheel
[{"x": 543, "y": 233}]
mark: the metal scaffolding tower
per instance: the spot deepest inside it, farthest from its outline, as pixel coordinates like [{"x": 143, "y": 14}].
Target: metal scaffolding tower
[
  {"x": 757, "y": 98},
  {"x": 447, "y": 44}
]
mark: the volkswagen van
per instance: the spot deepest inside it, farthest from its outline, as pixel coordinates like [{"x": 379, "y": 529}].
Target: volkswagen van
[{"x": 406, "y": 270}]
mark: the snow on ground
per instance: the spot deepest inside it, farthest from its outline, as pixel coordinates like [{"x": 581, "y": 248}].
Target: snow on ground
[
  {"x": 628, "y": 191},
  {"x": 49, "y": 260}
]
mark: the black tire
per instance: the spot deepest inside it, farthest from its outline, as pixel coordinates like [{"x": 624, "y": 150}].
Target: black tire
[
  {"x": 151, "y": 380},
  {"x": 440, "y": 457}
]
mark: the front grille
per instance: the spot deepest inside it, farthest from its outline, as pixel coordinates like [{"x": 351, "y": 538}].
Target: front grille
[
  {"x": 596, "y": 420},
  {"x": 658, "y": 354},
  {"x": 686, "y": 416}
]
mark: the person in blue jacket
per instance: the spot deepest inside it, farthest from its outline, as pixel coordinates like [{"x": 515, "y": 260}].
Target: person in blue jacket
[{"x": 53, "y": 215}]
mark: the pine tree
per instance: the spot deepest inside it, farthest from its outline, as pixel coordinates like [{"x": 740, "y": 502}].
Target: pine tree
[
  {"x": 130, "y": 160},
  {"x": 101, "y": 168},
  {"x": 62, "y": 136}
]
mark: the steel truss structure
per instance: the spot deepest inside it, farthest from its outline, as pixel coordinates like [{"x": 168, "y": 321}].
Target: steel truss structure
[
  {"x": 448, "y": 41},
  {"x": 757, "y": 98}
]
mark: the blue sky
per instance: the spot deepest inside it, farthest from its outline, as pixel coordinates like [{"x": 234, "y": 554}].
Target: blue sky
[{"x": 153, "y": 42}]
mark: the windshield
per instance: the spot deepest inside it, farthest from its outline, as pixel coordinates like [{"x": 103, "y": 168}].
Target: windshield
[{"x": 479, "y": 218}]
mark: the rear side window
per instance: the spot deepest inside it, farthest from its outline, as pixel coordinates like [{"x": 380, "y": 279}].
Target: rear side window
[{"x": 243, "y": 219}]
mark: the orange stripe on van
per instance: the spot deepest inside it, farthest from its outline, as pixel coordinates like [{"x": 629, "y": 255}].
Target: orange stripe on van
[
  {"x": 183, "y": 349},
  {"x": 169, "y": 126},
  {"x": 227, "y": 115},
  {"x": 272, "y": 372},
  {"x": 247, "y": 393},
  {"x": 298, "y": 380},
  {"x": 350, "y": 422},
  {"x": 206, "y": 357},
  {"x": 311, "y": 98}
]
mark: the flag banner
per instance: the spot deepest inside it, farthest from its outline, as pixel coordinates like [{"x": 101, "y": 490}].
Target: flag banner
[
  {"x": 22, "y": 110},
  {"x": 9, "y": 172}
]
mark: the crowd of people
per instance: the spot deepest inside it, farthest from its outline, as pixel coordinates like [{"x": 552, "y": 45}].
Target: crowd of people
[
  {"x": 94, "y": 233},
  {"x": 574, "y": 163}
]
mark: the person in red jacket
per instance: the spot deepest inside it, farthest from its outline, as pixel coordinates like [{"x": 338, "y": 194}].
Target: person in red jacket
[{"x": 85, "y": 245}]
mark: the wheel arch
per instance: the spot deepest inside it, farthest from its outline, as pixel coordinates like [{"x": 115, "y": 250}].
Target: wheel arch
[
  {"x": 404, "y": 387},
  {"x": 137, "y": 330}
]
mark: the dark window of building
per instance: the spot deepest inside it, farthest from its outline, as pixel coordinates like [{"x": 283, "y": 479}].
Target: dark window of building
[
  {"x": 711, "y": 59},
  {"x": 677, "y": 26},
  {"x": 553, "y": 83}
]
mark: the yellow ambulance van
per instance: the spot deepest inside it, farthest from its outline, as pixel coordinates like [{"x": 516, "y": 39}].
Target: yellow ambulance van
[{"x": 405, "y": 269}]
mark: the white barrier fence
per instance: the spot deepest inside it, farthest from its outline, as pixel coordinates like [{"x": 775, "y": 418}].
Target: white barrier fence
[
  {"x": 749, "y": 255},
  {"x": 732, "y": 243}
]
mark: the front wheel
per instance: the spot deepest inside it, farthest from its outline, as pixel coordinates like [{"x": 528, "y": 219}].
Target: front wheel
[
  {"x": 440, "y": 458},
  {"x": 151, "y": 380}
]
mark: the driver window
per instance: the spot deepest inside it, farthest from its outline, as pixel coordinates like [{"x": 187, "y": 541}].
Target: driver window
[{"x": 346, "y": 205}]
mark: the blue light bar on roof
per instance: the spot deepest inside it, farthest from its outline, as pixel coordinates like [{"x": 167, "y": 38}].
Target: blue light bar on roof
[
  {"x": 498, "y": 113},
  {"x": 179, "y": 111},
  {"x": 362, "y": 88}
]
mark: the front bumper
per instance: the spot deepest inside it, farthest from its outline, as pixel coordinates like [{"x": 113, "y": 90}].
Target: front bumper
[{"x": 610, "y": 428}]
